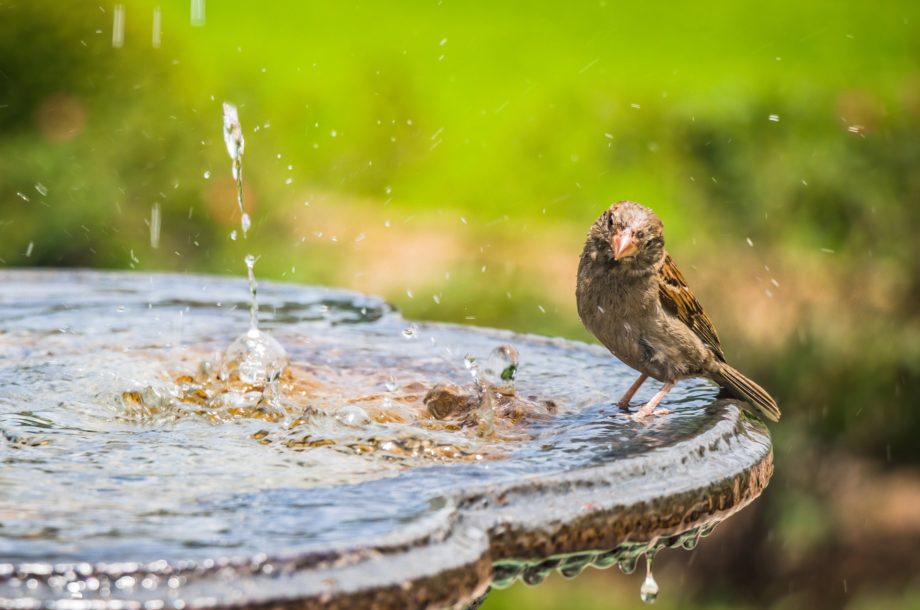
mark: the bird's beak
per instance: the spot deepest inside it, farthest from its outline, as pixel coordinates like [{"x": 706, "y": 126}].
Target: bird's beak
[{"x": 623, "y": 245}]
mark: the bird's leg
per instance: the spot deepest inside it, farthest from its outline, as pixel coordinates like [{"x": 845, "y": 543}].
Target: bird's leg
[
  {"x": 649, "y": 407},
  {"x": 623, "y": 403}
]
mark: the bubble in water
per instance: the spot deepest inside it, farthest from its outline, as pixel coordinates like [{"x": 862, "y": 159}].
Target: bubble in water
[
  {"x": 353, "y": 415},
  {"x": 648, "y": 592},
  {"x": 500, "y": 367},
  {"x": 254, "y": 358}
]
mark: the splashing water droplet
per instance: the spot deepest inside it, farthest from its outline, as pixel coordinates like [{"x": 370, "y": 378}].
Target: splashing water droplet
[
  {"x": 391, "y": 384},
  {"x": 246, "y": 223},
  {"x": 207, "y": 174},
  {"x": 774, "y": 118},
  {"x": 648, "y": 592},
  {"x": 410, "y": 332},
  {"x": 233, "y": 234},
  {"x": 499, "y": 369}
]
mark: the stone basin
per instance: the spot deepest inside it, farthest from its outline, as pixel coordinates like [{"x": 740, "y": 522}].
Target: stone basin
[{"x": 128, "y": 483}]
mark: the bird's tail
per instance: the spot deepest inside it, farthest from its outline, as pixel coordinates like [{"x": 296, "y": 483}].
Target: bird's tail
[{"x": 745, "y": 389}]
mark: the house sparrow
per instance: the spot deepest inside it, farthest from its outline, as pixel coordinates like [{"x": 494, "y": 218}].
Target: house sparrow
[{"x": 634, "y": 299}]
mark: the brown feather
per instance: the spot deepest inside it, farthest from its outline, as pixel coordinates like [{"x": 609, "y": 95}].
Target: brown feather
[{"x": 677, "y": 298}]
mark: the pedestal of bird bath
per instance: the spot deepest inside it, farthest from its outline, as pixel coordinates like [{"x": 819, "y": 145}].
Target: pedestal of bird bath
[{"x": 130, "y": 482}]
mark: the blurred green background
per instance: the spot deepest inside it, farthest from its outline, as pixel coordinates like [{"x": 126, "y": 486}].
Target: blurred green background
[{"x": 450, "y": 157}]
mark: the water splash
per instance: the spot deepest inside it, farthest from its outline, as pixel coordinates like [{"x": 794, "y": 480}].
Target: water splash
[
  {"x": 233, "y": 139},
  {"x": 254, "y": 358},
  {"x": 499, "y": 369},
  {"x": 648, "y": 592}
]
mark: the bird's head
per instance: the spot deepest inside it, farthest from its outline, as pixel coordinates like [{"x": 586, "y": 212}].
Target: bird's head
[{"x": 629, "y": 234}]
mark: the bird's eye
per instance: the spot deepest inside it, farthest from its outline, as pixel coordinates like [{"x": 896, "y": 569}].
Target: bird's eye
[{"x": 640, "y": 234}]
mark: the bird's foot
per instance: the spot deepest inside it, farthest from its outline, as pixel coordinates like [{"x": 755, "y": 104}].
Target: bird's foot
[{"x": 646, "y": 411}]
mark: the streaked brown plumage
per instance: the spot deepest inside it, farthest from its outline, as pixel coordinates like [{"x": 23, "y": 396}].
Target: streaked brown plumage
[{"x": 635, "y": 300}]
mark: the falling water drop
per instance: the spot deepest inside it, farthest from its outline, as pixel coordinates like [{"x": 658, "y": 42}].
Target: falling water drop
[
  {"x": 233, "y": 139},
  {"x": 155, "y": 35},
  {"x": 118, "y": 26},
  {"x": 649, "y": 590},
  {"x": 253, "y": 302},
  {"x": 155, "y": 226},
  {"x": 197, "y": 13}
]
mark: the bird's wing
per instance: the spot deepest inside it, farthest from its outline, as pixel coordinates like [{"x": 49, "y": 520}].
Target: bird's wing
[{"x": 677, "y": 299}]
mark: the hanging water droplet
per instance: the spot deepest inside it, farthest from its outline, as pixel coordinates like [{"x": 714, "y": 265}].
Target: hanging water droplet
[
  {"x": 627, "y": 565},
  {"x": 648, "y": 592}
]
